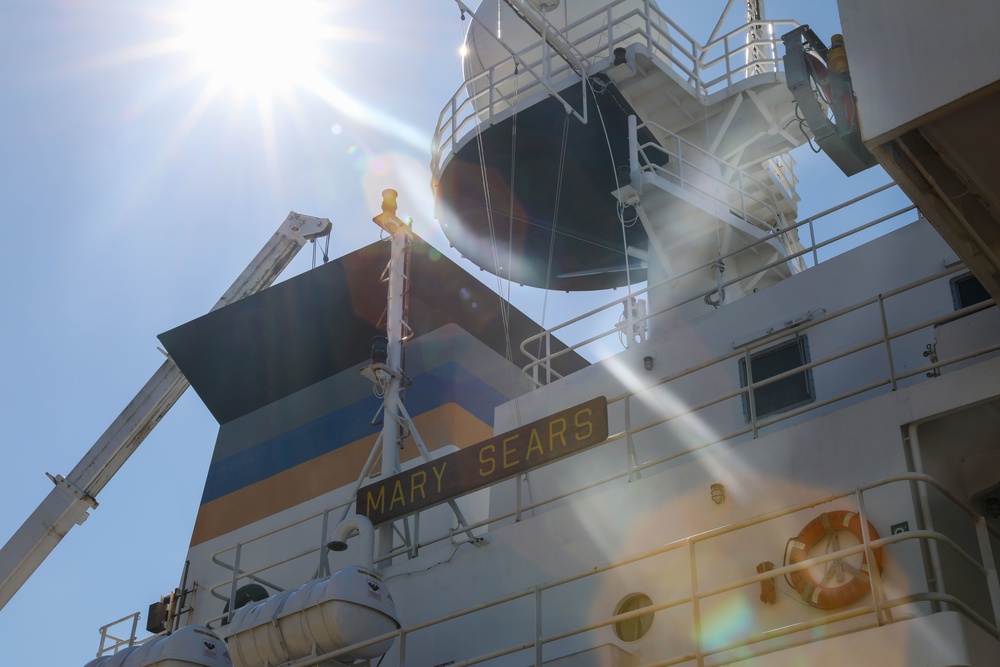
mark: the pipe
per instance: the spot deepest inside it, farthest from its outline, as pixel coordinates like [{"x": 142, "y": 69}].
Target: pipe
[
  {"x": 925, "y": 509},
  {"x": 362, "y": 527}
]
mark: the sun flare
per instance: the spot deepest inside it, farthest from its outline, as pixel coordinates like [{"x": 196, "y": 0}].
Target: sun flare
[{"x": 255, "y": 46}]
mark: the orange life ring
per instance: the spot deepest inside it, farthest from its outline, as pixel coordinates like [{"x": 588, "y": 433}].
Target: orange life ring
[
  {"x": 828, "y": 523},
  {"x": 821, "y": 75}
]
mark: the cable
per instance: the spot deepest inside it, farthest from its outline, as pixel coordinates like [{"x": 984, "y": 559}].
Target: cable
[
  {"x": 484, "y": 176},
  {"x": 505, "y": 298},
  {"x": 620, "y": 207},
  {"x": 555, "y": 216},
  {"x": 803, "y": 126}
]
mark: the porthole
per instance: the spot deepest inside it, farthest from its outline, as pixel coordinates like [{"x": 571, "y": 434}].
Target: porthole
[{"x": 633, "y": 629}]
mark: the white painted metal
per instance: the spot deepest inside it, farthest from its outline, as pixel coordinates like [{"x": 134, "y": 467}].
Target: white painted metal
[
  {"x": 394, "y": 328},
  {"x": 678, "y": 298},
  {"x": 389, "y": 376},
  {"x": 67, "y": 504},
  {"x": 584, "y": 512},
  {"x": 321, "y": 616},
  {"x": 927, "y": 81},
  {"x": 543, "y": 585},
  {"x": 191, "y": 646},
  {"x": 855, "y": 435},
  {"x": 356, "y": 525},
  {"x": 697, "y": 589},
  {"x": 391, "y": 380},
  {"x": 909, "y": 58},
  {"x": 688, "y": 205},
  {"x": 681, "y": 79}
]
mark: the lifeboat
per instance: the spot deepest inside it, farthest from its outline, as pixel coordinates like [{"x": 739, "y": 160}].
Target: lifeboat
[
  {"x": 351, "y": 606},
  {"x": 192, "y": 646}
]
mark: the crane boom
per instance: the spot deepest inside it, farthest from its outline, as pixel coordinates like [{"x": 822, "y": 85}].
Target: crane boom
[{"x": 67, "y": 504}]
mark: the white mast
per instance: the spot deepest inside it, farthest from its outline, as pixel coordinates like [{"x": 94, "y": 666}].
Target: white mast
[
  {"x": 386, "y": 372},
  {"x": 392, "y": 378}
]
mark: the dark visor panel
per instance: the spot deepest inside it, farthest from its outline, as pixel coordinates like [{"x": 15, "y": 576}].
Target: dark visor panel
[
  {"x": 526, "y": 194},
  {"x": 315, "y": 325}
]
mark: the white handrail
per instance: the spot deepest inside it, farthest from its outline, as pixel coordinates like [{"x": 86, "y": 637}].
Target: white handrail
[
  {"x": 876, "y": 338},
  {"x": 593, "y": 38},
  {"x": 746, "y": 188},
  {"x": 617, "y": 304},
  {"x": 918, "y": 590}
]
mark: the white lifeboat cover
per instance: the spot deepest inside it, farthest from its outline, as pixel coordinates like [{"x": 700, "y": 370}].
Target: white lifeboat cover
[
  {"x": 350, "y": 606},
  {"x": 191, "y": 646}
]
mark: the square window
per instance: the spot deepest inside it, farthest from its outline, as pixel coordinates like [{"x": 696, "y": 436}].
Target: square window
[
  {"x": 784, "y": 394},
  {"x": 966, "y": 290}
]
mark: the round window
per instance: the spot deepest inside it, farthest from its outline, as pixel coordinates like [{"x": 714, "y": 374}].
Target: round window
[{"x": 635, "y": 628}]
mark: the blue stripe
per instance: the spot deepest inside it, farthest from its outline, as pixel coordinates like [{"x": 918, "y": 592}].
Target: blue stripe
[{"x": 449, "y": 383}]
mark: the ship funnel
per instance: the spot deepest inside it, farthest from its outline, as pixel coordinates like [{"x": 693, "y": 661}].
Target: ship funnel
[{"x": 356, "y": 525}]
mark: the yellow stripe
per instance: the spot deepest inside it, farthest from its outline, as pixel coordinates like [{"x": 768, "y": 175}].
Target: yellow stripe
[{"x": 448, "y": 424}]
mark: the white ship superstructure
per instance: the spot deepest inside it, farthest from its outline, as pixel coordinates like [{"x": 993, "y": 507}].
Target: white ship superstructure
[{"x": 766, "y": 450}]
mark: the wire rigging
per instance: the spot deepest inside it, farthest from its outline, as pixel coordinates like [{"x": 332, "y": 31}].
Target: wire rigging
[
  {"x": 618, "y": 185},
  {"x": 503, "y": 296},
  {"x": 555, "y": 221}
]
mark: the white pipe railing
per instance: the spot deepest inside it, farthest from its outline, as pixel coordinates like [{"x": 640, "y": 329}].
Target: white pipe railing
[
  {"x": 117, "y": 643},
  {"x": 684, "y": 157},
  {"x": 716, "y": 66},
  {"x": 753, "y": 643},
  {"x": 878, "y": 336},
  {"x": 599, "y": 313}
]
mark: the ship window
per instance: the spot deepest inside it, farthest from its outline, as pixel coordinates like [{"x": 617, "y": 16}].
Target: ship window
[
  {"x": 966, "y": 290},
  {"x": 783, "y": 394},
  {"x": 635, "y": 628}
]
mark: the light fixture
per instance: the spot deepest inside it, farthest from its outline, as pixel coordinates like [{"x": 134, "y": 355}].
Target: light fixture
[
  {"x": 718, "y": 493},
  {"x": 380, "y": 349},
  {"x": 991, "y": 507},
  {"x": 387, "y": 219},
  {"x": 647, "y": 362},
  {"x": 790, "y": 323},
  {"x": 620, "y": 58}
]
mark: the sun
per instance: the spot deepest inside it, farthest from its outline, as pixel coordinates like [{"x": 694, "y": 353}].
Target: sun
[
  {"x": 271, "y": 56},
  {"x": 254, "y": 46}
]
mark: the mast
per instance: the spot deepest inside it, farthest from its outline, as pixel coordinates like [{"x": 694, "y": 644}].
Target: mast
[
  {"x": 386, "y": 373},
  {"x": 391, "y": 378}
]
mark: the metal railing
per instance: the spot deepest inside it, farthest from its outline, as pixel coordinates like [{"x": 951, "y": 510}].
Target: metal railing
[
  {"x": 878, "y": 335},
  {"x": 111, "y": 642},
  {"x": 716, "y": 67},
  {"x": 881, "y": 335},
  {"x": 226, "y": 589},
  {"x": 877, "y": 611},
  {"x": 541, "y": 365},
  {"x": 696, "y": 170}
]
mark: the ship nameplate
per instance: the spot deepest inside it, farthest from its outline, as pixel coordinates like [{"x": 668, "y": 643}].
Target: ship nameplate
[{"x": 485, "y": 463}]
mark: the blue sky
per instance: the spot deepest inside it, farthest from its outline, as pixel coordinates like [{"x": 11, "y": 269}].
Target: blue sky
[{"x": 132, "y": 194}]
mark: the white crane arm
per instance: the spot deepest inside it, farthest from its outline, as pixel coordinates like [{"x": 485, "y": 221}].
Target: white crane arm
[{"x": 67, "y": 504}]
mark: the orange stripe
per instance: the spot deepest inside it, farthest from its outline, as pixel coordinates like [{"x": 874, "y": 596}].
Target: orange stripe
[{"x": 448, "y": 424}]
